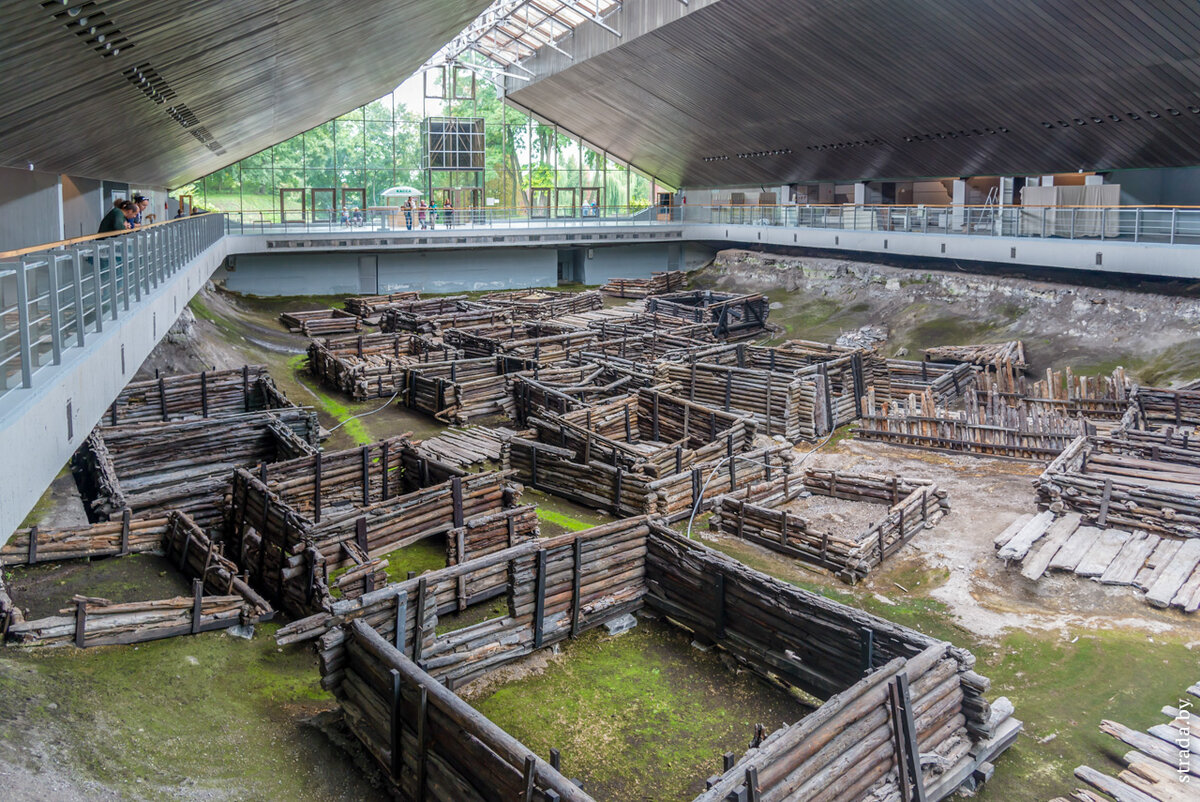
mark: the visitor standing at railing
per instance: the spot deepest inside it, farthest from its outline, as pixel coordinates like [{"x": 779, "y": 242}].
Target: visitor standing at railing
[
  {"x": 421, "y": 208},
  {"x": 408, "y": 213},
  {"x": 433, "y": 213},
  {"x": 119, "y": 218},
  {"x": 140, "y": 203},
  {"x": 449, "y": 212}
]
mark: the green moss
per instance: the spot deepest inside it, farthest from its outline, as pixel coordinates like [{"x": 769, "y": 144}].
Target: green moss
[
  {"x": 565, "y": 522},
  {"x": 424, "y": 555},
  {"x": 353, "y": 427},
  {"x": 640, "y": 716},
  {"x": 217, "y": 714},
  {"x": 1063, "y": 689}
]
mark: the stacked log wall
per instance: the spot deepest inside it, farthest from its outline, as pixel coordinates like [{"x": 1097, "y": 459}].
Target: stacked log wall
[{"x": 206, "y": 394}]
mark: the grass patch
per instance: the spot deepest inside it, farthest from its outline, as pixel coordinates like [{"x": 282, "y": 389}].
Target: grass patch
[
  {"x": 353, "y": 427},
  {"x": 640, "y": 716},
  {"x": 424, "y": 555},
  {"x": 562, "y": 520}
]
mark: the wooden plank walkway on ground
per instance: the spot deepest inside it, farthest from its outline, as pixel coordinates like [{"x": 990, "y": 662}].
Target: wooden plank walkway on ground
[
  {"x": 1166, "y": 569},
  {"x": 1163, "y": 766}
]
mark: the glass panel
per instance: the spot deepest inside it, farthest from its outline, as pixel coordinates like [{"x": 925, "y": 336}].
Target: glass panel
[
  {"x": 350, "y": 154},
  {"x": 262, "y": 159},
  {"x": 355, "y": 115},
  {"x": 289, "y": 153},
  {"x": 258, "y": 194},
  {"x": 352, "y": 178},
  {"x": 379, "y": 144},
  {"x": 222, "y": 190},
  {"x": 320, "y": 178},
  {"x": 614, "y": 188},
  {"x": 323, "y": 205},
  {"x": 377, "y": 182},
  {"x": 380, "y": 109},
  {"x": 318, "y": 147},
  {"x": 408, "y": 146},
  {"x": 639, "y": 191},
  {"x": 543, "y": 156}
]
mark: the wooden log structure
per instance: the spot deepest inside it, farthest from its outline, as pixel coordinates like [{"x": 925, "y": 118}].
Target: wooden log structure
[
  {"x": 544, "y": 303},
  {"x": 899, "y": 706},
  {"x": 463, "y": 390},
  {"x": 1006, "y": 357},
  {"x": 321, "y": 322},
  {"x": 220, "y": 599},
  {"x": 759, "y": 514},
  {"x": 1156, "y": 407},
  {"x": 564, "y": 388},
  {"x": 372, "y": 365},
  {"x": 1096, "y": 398},
  {"x": 997, "y": 430},
  {"x": 783, "y": 404},
  {"x": 660, "y": 282},
  {"x": 648, "y": 432},
  {"x": 1150, "y": 482},
  {"x": 150, "y": 468},
  {"x": 600, "y": 485},
  {"x": 126, "y": 535},
  {"x": 435, "y": 315},
  {"x": 206, "y": 394},
  {"x": 370, "y": 305},
  {"x": 736, "y": 317}
]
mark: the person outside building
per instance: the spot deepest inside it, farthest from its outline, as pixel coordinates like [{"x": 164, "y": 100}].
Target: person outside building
[
  {"x": 421, "y": 209},
  {"x": 448, "y": 212},
  {"x": 408, "y": 213}
]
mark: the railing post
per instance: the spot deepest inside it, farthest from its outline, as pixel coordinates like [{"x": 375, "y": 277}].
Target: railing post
[
  {"x": 23, "y": 326},
  {"x": 1074, "y": 209},
  {"x": 1137, "y": 223},
  {"x": 1103, "y": 220},
  {"x": 77, "y": 278},
  {"x": 1174, "y": 217},
  {"x": 55, "y": 312},
  {"x": 97, "y": 288}
]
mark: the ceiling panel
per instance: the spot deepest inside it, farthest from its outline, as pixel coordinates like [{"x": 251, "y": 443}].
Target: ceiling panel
[
  {"x": 884, "y": 88},
  {"x": 223, "y": 80}
]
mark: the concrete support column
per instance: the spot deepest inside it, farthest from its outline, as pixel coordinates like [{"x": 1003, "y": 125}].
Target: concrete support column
[{"x": 958, "y": 200}]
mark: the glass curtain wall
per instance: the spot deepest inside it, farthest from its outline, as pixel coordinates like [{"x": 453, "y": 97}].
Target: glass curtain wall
[{"x": 529, "y": 167}]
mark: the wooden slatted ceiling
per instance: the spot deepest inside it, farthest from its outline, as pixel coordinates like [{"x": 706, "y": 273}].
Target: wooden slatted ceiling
[
  {"x": 756, "y": 75},
  {"x": 252, "y": 72}
]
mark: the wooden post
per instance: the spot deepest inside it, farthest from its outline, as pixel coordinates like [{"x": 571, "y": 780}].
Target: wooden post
[
  {"x": 33, "y": 538},
  {"x": 383, "y": 459},
  {"x": 908, "y": 757},
  {"x": 727, "y": 761},
  {"x": 752, "y": 792},
  {"x": 1102, "y": 516},
  {"x": 422, "y": 738},
  {"x": 419, "y": 629},
  {"x": 395, "y": 728},
  {"x": 456, "y": 500},
  {"x": 460, "y": 543},
  {"x": 399, "y": 636},
  {"x": 162, "y": 398},
  {"x": 360, "y": 535},
  {"x": 80, "y": 621},
  {"x": 654, "y": 418},
  {"x": 204, "y": 393},
  {"x": 576, "y": 577},
  {"x": 245, "y": 388},
  {"x": 126, "y": 514},
  {"x": 539, "y": 610},
  {"x": 112, "y": 413},
  {"x": 317, "y": 487},
  {"x": 528, "y": 779},
  {"x": 555, "y": 759},
  {"x": 366, "y": 475},
  {"x": 197, "y": 602},
  {"x": 866, "y": 645},
  {"x": 617, "y": 489}
]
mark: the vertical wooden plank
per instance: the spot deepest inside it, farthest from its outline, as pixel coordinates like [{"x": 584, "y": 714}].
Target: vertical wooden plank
[
  {"x": 422, "y": 738},
  {"x": 245, "y": 388},
  {"x": 419, "y": 628},
  {"x": 576, "y": 581},
  {"x": 395, "y": 729},
  {"x": 1102, "y": 516},
  {"x": 33, "y": 539},
  {"x": 383, "y": 459},
  {"x": 197, "y": 602},
  {"x": 126, "y": 514},
  {"x": 539, "y": 609},
  {"x": 461, "y": 582},
  {"x": 162, "y": 398},
  {"x": 654, "y": 418},
  {"x": 204, "y": 393},
  {"x": 752, "y": 792},
  {"x": 317, "y": 487},
  {"x": 400, "y": 636},
  {"x": 456, "y": 500},
  {"x": 866, "y": 646},
  {"x": 360, "y": 535},
  {"x": 366, "y": 475},
  {"x": 528, "y": 778},
  {"x": 80, "y": 621}
]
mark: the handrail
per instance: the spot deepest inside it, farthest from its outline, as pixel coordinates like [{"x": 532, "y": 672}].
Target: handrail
[{"x": 75, "y": 240}]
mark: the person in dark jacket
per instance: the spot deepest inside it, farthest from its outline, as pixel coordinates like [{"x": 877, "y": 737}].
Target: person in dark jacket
[{"x": 119, "y": 217}]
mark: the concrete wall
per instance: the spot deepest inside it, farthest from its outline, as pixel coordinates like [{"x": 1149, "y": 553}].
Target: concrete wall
[
  {"x": 36, "y": 420},
  {"x": 29, "y": 208},
  {"x": 427, "y": 271},
  {"x": 83, "y": 206}
]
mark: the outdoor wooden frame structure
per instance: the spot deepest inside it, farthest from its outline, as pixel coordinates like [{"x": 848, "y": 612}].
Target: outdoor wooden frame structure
[
  {"x": 434, "y": 315},
  {"x": 220, "y": 598},
  {"x": 190, "y": 395},
  {"x": 648, "y": 432},
  {"x": 601, "y": 485},
  {"x": 372, "y": 365},
  {"x": 736, "y": 317},
  {"x": 321, "y": 322},
  {"x": 564, "y": 388},
  {"x": 1143, "y": 480},
  {"x": 659, "y": 283},
  {"x": 293, "y": 523},
  {"x": 150, "y": 468},
  {"x": 463, "y": 390},
  {"x": 368, "y": 305},
  {"x": 904, "y": 716},
  {"x": 544, "y": 303},
  {"x": 759, "y": 514}
]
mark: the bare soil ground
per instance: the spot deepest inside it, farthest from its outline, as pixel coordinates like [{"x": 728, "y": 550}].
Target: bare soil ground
[{"x": 842, "y": 518}]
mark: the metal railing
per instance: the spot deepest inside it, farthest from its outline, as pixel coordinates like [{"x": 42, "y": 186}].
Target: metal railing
[
  {"x": 1171, "y": 225},
  {"x": 55, "y": 297}
]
